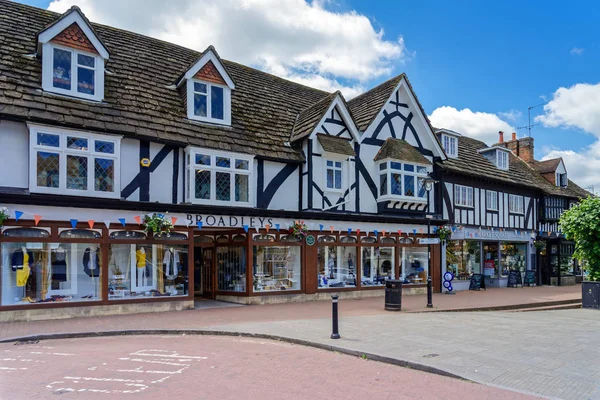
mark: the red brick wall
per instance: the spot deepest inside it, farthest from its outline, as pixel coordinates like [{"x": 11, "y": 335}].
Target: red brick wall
[
  {"x": 550, "y": 177},
  {"x": 209, "y": 73},
  {"x": 73, "y": 37}
]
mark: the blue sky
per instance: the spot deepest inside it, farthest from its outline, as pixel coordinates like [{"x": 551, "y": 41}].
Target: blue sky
[{"x": 494, "y": 58}]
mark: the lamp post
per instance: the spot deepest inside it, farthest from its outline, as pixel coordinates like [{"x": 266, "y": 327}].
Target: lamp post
[{"x": 428, "y": 184}]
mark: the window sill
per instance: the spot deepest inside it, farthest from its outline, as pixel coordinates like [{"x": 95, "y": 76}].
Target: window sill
[
  {"x": 211, "y": 121},
  {"x": 403, "y": 198},
  {"x": 78, "y": 193}
]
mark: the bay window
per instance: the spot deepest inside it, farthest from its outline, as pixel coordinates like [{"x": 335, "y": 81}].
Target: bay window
[
  {"x": 401, "y": 179},
  {"x": 76, "y": 163},
  {"x": 214, "y": 178}
]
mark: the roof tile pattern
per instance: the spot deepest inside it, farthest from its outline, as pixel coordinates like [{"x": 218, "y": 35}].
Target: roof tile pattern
[
  {"x": 210, "y": 73},
  {"x": 547, "y": 166},
  {"x": 365, "y": 107},
  {"x": 309, "y": 118},
  {"x": 337, "y": 145},
  {"x": 72, "y": 36},
  {"x": 399, "y": 149},
  {"x": 140, "y": 98}
]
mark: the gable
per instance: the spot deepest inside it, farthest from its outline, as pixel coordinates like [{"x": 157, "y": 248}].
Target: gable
[
  {"x": 334, "y": 125},
  {"x": 210, "y": 73},
  {"x": 74, "y": 37}
]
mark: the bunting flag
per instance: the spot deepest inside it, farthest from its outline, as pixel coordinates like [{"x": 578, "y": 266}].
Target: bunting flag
[
  {"x": 122, "y": 221},
  {"x": 453, "y": 229},
  {"x": 138, "y": 219},
  {"x": 383, "y": 232},
  {"x": 358, "y": 232},
  {"x": 277, "y": 227},
  {"x": 37, "y": 218},
  {"x": 331, "y": 228},
  {"x": 375, "y": 232},
  {"x": 74, "y": 223},
  {"x": 435, "y": 229},
  {"x": 246, "y": 228},
  {"x": 321, "y": 227},
  {"x": 399, "y": 232},
  {"x": 91, "y": 223},
  {"x": 199, "y": 224},
  {"x": 267, "y": 227},
  {"x": 421, "y": 230},
  {"x": 107, "y": 223},
  {"x": 173, "y": 220},
  {"x": 415, "y": 232},
  {"x": 349, "y": 231},
  {"x": 18, "y": 214}
]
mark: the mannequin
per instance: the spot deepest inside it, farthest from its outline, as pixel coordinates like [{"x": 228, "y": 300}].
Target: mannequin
[
  {"x": 21, "y": 259},
  {"x": 59, "y": 265},
  {"x": 170, "y": 261},
  {"x": 91, "y": 261},
  {"x": 140, "y": 263}
]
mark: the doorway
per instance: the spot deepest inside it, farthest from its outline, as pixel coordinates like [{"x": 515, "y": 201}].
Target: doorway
[{"x": 203, "y": 272}]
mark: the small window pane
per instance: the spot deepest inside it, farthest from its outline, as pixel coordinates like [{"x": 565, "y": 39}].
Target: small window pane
[
  {"x": 61, "y": 72},
  {"x": 104, "y": 147},
  {"x": 421, "y": 170},
  {"x": 202, "y": 159},
  {"x": 421, "y": 186},
  {"x": 338, "y": 179},
  {"x": 48, "y": 169},
  {"x": 76, "y": 143},
  {"x": 241, "y": 188},
  {"x": 104, "y": 175},
  {"x": 46, "y": 139},
  {"x": 26, "y": 232},
  {"x": 330, "y": 178},
  {"x": 85, "y": 80},
  {"x": 382, "y": 166},
  {"x": 383, "y": 184},
  {"x": 223, "y": 162},
  {"x": 200, "y": 105},
  {"x": 395, "y": 165},
  {"x": 77, "y": 169},
  {"x": 202, "y": 185},
  {"x": 348, "y": 239},
  {"x": 330, "y": 163},
  {"x": 409, "y": 185},
  {"x": 338, "y": 164},
  {"x": 216, "y": 102},
  {"x": 84, "y": 60},
  {"x": 409, "y": 167},
  {"x": 79, "y": 234},
  {"x": 396, "y": 184},
  {"x": 223, "y": 186},
  {"x": 241, "y": 164},
  {"x": 127, "y": 235},
  {"x": 199, "y": 87}
]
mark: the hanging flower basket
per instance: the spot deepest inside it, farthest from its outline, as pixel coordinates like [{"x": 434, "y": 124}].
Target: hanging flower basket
[
  {"x": 3, "y": 215},
  {"x": 444, "y": 233},
  {"x": 157, "y": 224},
  {"x": 299, "y": 229}
]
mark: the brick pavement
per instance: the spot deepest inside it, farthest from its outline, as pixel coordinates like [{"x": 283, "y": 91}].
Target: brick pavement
[{"x": 207, "y": 367}]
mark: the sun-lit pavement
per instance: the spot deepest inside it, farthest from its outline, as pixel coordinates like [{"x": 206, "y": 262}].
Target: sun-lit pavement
[{"x": 206, "y": 367}]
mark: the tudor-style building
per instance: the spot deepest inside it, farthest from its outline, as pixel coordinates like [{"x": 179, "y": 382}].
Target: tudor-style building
[{"x": 100, "y": 127}]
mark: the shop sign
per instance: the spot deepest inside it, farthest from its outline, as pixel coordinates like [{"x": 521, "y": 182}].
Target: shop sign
[
  {"x": 226, "y": 221},
  {"x": 429, "y": 241},
  {"x": 310, "y": 240}
]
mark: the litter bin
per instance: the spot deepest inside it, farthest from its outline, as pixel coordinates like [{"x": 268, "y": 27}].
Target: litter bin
[{"x": 393, "y": 295}]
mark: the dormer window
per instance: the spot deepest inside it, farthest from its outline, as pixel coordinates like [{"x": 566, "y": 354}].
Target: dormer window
[
  {"x": 561, "y": 180},
  {"x": 73, "y": 72},
  {"x": 450, "y": 145},
  {"x": 502, "y": 159},
  {"x": 209, "y": 101},
  {"x": 497, "y": 156}
]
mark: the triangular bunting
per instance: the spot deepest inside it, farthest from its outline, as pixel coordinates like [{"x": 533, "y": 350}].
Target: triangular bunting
[
  {"x": 138, "y": 219},
  {"x": 74, "y": 223},
  {"x": 91, "y": 223},
  {"x": 18, "y": 214},
  {"x": 37, "y": 219}
]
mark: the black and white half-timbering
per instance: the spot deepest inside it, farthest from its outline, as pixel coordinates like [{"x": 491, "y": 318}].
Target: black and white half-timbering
[{"x": 276, "y": 191}]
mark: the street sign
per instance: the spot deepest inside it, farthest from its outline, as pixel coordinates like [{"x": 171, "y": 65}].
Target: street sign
[{"x": 429, "y": 240}]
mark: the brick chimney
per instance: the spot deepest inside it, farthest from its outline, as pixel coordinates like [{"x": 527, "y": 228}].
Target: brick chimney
[
  {"x": 514, "y": 136},
  {"x": 501, "y": 139},
  {"x": 525, "y": 149}
]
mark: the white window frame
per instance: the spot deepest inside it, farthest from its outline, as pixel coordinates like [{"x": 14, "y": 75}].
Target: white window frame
[
  {"x": 48, "y": 71},
  {"x": 63, "y": 152},
  {"x": 502, "y": 160},
  {"x": 463, "y": 196},
  {"x": 516, "y": 204},
  {"x": 389, "y": 171},
  {"x": 491, "y": 200},
  {"x": 226, "y": 102},
  {"x": 450, "y": 144},
  {"x": 558, "y": 179},
  {"x": 192, "y": 167},
  {"x": 342, "y": 170}
]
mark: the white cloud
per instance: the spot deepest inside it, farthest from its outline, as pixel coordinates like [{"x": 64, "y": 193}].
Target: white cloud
[
  {"x": 291, "y": 38},
  {"x": 583, "y": 167},
  {"x": 478, "y": 125},
  {"x": 577, "y": 51},
  {"x": 511, "y": 115},
  {"x": 574, "y": 107}
]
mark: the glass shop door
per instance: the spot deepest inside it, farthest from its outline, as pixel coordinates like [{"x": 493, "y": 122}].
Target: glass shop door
[{"x": 204, "y": 272}]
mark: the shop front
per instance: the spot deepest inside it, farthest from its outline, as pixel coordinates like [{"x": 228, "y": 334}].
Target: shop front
[
  {"x": 556, "y": 264},
  {"x": 492, "y": 253},
  {"x": 53, "y": 266}
]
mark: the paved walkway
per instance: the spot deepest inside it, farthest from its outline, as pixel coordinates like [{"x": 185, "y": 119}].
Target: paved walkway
[{"x": 208, "y": 367}]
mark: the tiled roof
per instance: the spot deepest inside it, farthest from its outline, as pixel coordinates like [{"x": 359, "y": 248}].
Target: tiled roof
[
  {"x": 471, "y": 162},
  {"x": 310, "y": 117},
  {"x": 334, "y": 144},
  {"x": 399, "y": 149},
  {"x": 544, "y": 167},
  {"x": 366, "y": 106},
  {"x": 140, "y": 97}
]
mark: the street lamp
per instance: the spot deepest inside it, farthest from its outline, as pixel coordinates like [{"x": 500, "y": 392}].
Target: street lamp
[{"x": 428, "y": 184}]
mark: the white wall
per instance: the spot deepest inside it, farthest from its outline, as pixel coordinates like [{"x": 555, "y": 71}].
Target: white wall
[
  {"x": 14, "y": 154},
  {"x": 286, "y": 197}
]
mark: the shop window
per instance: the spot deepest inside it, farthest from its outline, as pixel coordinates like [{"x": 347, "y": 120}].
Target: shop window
[
  {"x": 128, "y": 235},
  {"x": 348, "y": 239},
  {"x": 377, "y": 265},
  {"x": 239, "y": 238},
  {"x": 276, "y": 268},
  {"x": 389, "y": 240},
  {"x": 79, "y": 234},
  {"x": 203, "y": 239},
  {"x": 219, "y": 178},
  {"x": 170, "y": 236},
  {"x": 490, "y": 262},
  {"x": 402, "y": 180},
  {"x": 463, "y": 258},
  {"x": 369, "y": 239},
  {"x": 290, "y": 238},
  {"x": 26, "y": 233},
  {"x": 75, "y": 163},
  {"x": 50, "y": 272},
  {"x": 405, "y": 240},
  {"x": 336, "y": 266},
  {"x": 141, "y": 271},
  {"x": 231, "y": 269},
  {"x": 513, "y": 257},
  {"x": 327, "y": 239},
  {"x": 223, "y": 239},
  {"x": 264, "y": 238},
  {"x": 414, "y": 265}
]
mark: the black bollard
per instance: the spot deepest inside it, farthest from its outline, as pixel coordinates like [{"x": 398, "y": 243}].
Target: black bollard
[
  {"x": 429, "y": 293},
  {"x": 334, "y": 316}
]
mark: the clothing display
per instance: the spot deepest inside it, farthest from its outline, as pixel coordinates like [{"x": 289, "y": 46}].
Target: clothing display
[
  {"x": 170, "y": 263},
  {"x": 91, "y": 262},
  {"x": 59, "y": 265},
  {"x": 140, "y": 258},
  {"x": 25, "y": 270},
  {"x": 18, "y": 258}
]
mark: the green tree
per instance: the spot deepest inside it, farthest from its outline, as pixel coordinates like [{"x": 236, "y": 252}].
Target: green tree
[{"x": 582, "y": 224}]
